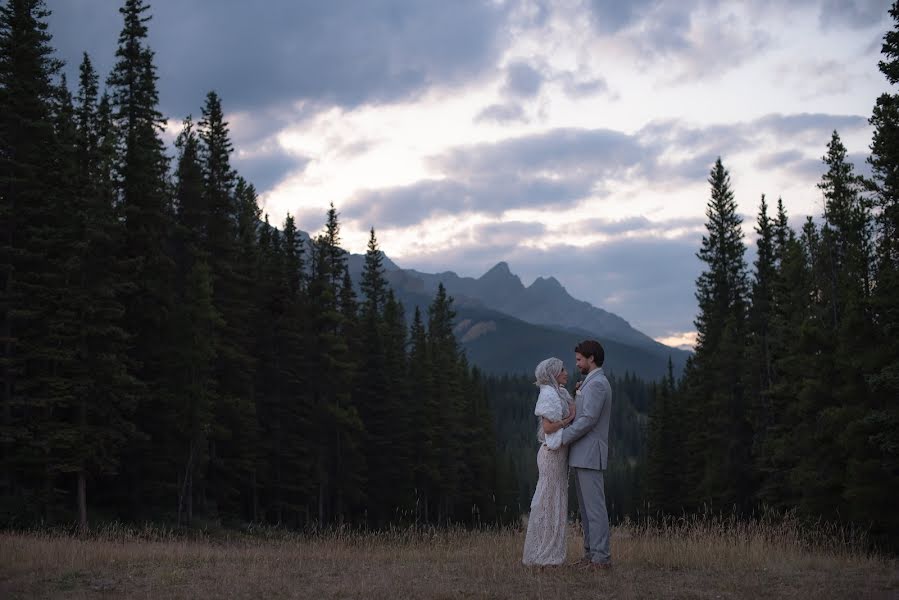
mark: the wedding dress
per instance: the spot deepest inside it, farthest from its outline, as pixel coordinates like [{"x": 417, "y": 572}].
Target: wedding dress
[{"x": 545, "y": 541}]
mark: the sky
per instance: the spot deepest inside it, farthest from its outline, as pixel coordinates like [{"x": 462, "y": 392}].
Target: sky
[{"x": 569, "y": 138}]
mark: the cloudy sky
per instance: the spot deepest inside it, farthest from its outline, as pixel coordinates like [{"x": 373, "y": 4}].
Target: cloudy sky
[{"x": 569, "y": 138}]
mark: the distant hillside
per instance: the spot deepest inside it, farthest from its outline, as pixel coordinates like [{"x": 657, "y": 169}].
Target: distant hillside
[
  {"x": 506, "y": 327},
  {"x": 544, "y": 302},
  {"x": 500, "y": 344}
]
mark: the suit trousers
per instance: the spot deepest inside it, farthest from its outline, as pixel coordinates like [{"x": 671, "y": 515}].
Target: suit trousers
[{"x": 591, "y": 500}]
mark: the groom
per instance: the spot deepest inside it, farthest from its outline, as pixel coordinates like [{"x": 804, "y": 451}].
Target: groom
[{"x": 588, "y": 440}]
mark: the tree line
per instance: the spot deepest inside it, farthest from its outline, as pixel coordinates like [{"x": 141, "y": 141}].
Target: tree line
[
  {"x": 790, "y": 401},
  {"x": 167, "y": 354}
]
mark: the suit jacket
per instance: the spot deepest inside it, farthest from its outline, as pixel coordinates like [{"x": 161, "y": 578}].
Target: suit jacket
[{"x": 588, "y": 435}]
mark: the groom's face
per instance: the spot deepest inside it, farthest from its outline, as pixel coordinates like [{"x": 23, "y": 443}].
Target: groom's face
[{"x": 583, "y": 363}]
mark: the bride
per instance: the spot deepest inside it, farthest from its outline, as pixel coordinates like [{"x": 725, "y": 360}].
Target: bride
[{"x": 545, "y": 543}]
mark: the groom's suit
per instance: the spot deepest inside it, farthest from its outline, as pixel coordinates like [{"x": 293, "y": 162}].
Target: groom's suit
[{"x": 588, "y": 441}]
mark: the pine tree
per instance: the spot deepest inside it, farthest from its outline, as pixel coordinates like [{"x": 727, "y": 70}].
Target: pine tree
[
  {"x": 425, "y": 414},
  {"x": 719, "y": 443},
  {"x": 792, "y": 293},
  {"x": 373, "y": 284},
  {"x": 144, "y": 200},
  {"x": 104, "y": 389},
  {"x": 662, "y": 481},
  {"x": 447, "y": 392},
  {"x": 760, "y": 358},
  {"x": 846, "y": 237},
  {"x": 235, "y": 447},
  {"x": 196, "y": 322},
  {"x": 294, "y": 460},
  {"x": 339, "y": 462},
  {"x": 875, "y": 469},
  {"x": 27, "y": 95},
  {"x": 374, "y": 383},
  {"x": 399, "y": 398}
]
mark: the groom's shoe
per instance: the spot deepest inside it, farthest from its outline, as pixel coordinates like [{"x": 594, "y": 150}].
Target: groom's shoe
[{"x": 581, "y": 562}]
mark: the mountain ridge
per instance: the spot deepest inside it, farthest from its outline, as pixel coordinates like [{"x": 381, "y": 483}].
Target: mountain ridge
[{"x": 497, "y": 308}]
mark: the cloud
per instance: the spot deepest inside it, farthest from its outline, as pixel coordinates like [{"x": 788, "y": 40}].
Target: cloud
[
  {"x": 554, "y": 152},
  {"x": 688, "y": 40},
  {"x": 856, "y": 14},
  {"x": 611, "y": 16},
  {"x": 409, "y": 205},
  {"x": 522, "y": 80},
  {"x": 502, "y": 113},
  {"x": 267, "y": 168},
  {"x": 779, "y": 160},
  {"x": 803, "y": 123},
  {"x": 558, "y": 168},
  {"x": 640, "y": 226},
  {"x": 343, "y": 53},
  {"x": 576, "y": 85},
  {"x": 509, "y": 232},
  {"x": 554, "y": 169}
]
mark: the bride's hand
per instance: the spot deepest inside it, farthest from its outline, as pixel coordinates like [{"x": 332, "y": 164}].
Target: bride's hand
[{"x": 572, "y": 407}]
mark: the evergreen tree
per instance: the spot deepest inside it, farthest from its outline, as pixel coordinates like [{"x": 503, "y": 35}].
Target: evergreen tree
[
  {"x": 375, "y": 383},
  {"x": 791, "y": 293},
  {"x": 196, "y": 323},
  {"x": 104, "y": 389},
  {"x": 875, "y": 469},
  {"x": 339, "y": 476},
  {"x": 760, "y": 363},
  {"x": 27, "y": 95},
  {"x": 446, "y": 388},
  {"x": 235, "y": 446},
  {"x": 425, "y": 414},
  {"x": 718, "y": 472},
  {"x": 143, "y": 195},
  {"x": 400, "y": 396},
  {"x": 663, "y": 470}
]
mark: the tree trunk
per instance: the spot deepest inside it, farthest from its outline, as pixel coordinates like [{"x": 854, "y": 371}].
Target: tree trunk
[{"x": 82, "y": 501}]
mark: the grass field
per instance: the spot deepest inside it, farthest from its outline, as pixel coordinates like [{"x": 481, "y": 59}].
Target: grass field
[{"x": 697, "y": 559}]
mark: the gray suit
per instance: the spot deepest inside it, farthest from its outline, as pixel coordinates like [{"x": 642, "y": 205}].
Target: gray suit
[{"x": 588, "y": 441}]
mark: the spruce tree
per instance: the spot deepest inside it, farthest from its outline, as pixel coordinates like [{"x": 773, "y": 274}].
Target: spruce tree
[
  {"x": 760, "y": 359},
  {"x": 876, "y": 467},
  {"x": 374, "y": 383},
  {"x": 447, "y": 392},
  {"x": 104, "y": 388},
  {"x": 27, "y": 95},
  {"x": 142, "y": 194},
  {"x": 425, "y": 414},
  {"x": 196, "y": 320},
  {"x": 339, "y": 462},
  {"x": 719, "y": 442}
]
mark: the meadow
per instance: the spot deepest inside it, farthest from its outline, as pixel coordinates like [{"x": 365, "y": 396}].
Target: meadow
[{"x": 698, "y": 558}]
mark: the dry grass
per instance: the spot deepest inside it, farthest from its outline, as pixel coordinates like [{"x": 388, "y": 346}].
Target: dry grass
[{"x": 697, "y": 559}]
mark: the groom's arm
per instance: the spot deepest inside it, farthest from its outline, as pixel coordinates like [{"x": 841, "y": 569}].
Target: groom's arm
[{"x": 594, "y": 398}]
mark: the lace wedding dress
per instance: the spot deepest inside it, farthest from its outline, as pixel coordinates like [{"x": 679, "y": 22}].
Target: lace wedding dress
[{"x": 545, "y": 542}]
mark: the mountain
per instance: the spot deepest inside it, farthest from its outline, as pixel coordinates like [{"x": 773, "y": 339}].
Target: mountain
[
  {"x": 544, "y": 302},
  {"x": 507, "y": 327},
  {"x": 501, "y": 344}
]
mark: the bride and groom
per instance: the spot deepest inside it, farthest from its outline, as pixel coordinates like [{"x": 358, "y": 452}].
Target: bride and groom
[{"x": 572, "y": 433}]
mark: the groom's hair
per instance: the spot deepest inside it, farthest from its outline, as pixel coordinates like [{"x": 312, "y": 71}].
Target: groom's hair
[{"x": 589, "y": 348}]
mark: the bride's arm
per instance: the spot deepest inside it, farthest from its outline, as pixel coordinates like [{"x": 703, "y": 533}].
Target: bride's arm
[{"x": 554, "y": 426}]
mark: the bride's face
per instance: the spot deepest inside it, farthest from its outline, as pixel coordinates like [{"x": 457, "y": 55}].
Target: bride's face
[{"x": 562, "y": 377}]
